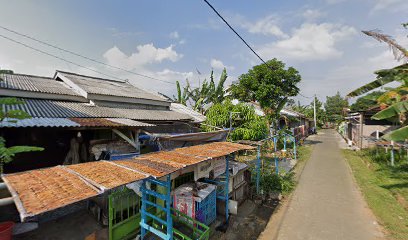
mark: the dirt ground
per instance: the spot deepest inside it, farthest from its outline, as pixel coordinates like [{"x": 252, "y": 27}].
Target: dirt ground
[
  {"x": 250, "y": 221},
  {"x": 76, "y": 226}
]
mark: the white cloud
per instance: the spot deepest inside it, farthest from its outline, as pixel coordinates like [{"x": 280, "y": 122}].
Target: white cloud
[
  {"x": 174, "y": 35},
  {"x": 334, "y": 1},
  {"x": 396, "y": 5},
  {"x": 145, "y": 54},
  {"x": 266, "y": 26},
  {"x": 219, "y": 65},
  {"x": 175, "y": 74},
  {"x": 312, "y": 14},
  {"x": 310, "y": 42}
]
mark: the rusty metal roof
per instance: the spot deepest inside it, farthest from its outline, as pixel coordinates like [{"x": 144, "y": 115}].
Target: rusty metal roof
[
  {"x": 213, "y": 150},
  {"x": 43, "y": 190},
  {"x": 153, "y": 168},
  {"x": 109, "y": 122},
  {"x": 105, "y": 175}
]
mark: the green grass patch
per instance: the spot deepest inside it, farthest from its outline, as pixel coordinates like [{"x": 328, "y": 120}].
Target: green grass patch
[
  {"x": 385, "y": 189},
  {"x": 304, "y": 152}
]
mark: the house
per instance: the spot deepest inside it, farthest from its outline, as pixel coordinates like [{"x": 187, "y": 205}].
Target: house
[
  {"x": 79, "y": 118},
  {"x": 363, "y": 131}
]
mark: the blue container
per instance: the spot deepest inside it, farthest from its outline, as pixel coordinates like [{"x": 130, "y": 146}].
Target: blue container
[{"x": 206, "y": 211}]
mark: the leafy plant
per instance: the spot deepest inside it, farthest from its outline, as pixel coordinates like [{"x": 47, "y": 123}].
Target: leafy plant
[
  {"x": 7, "y": 153},
  {"x": 247, "y": 125},
  {"x": 272, "y": 182}
]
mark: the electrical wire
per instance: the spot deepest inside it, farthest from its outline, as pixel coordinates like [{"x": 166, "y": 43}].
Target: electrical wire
[
  {"x": 305, "y": 96},
  {"x": 60, "y": 58},
  {"x": 242, "y": 39},
  {"x": 82, "y": 56}
]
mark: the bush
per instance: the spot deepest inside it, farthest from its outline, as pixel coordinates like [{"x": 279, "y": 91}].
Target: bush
[{"x": 272, "y": 182}]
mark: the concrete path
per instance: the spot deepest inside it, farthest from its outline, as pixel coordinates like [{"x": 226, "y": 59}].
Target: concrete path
[{"x": 327, "y": 204}]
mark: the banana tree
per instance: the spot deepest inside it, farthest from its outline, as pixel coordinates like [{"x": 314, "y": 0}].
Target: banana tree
[
  {"x": 182, "y": 95},
  {"x": 394, "y": 102},
  {"x": 7, "y": 153}
]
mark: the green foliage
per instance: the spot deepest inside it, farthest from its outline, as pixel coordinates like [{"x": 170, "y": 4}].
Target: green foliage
[
  {"x": 6, "y": 71},
  {"x": 272, "y": 182},
  {"x": 207, "y": 93},
  {"x": 248, "y": 125},
  {"x": 384, "y": 188},
  {"x": 7, "y": 153},
  {"x": 271, "y": 88},
  {"x": 384, "y": 77},
  {"x": 11, "y": 115},
  {"x": 182, "y": 95},
  {"x": 334, "y": 107},
  {"x": 400, "y": 134},
  {"x": 366, "y": 102},
  {"x": 392, "y": 111}
]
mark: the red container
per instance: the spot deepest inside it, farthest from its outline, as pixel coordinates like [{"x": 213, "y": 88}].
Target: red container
[{"x": 6, "y": 229}]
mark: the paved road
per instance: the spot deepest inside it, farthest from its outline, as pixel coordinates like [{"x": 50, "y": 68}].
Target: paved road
[{"x": 327, "y": 204}]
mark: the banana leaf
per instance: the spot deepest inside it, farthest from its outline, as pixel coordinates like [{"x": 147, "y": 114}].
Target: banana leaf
[
  {"x": 392, "y": 111},
  {"x": 397, "y": 135},
  {"x": 399, "y": 73}
]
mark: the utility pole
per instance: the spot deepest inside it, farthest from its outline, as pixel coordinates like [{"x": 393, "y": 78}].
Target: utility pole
[{"x": 314, "y": 111}]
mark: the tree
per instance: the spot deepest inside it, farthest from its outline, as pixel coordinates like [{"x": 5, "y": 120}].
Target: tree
[
  {"x": 247, "y": 125},
  {"x": 366, "y": 102},
  {"x": 334, "y": 107},
  {"x": 182, "y": 95},
  {"x": 321, "y": 115},
  {"x": 270, "y": 85},
  {"x": 7, "y": 153},
  {"x": 6, "y": 71}
]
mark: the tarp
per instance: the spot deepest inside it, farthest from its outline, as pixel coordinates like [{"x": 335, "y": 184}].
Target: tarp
[{"x": 220, "y": 135}]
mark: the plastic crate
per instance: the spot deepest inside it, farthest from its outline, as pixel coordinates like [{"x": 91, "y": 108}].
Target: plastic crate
[{"x": 206, "y": 210}]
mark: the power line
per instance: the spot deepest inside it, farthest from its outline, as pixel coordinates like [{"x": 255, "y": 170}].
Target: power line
[
  {"x": 225, "y": 21},
  {"x": 82, "y": 56},
  {"x": 60, "y": 58},
  {"x": 305, "y": 96}
]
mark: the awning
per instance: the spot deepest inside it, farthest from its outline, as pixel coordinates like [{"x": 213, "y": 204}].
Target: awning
[{"x": 43, "y": 190}]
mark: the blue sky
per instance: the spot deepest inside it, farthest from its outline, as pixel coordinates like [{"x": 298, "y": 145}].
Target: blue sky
[{"x": 171, "y": 39}]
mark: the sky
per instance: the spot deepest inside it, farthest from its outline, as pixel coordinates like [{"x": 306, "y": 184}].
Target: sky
[{"x": 178, "y": 40}]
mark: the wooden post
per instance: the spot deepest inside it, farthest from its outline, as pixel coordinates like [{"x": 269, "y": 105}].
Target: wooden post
[{"x": 361, "y": 130}]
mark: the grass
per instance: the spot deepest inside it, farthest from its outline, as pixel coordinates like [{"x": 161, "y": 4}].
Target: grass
[{"x": 385, "y": 189}]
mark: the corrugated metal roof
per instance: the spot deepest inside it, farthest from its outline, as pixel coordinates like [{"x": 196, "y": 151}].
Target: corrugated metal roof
[
  {"x": 39, "y": 122},
  {"x": 35, "y": 84},
  {"x": 198, "y": 117},
  {"x": 73, "y": 122},
  {"x": 106, "y": 175},
  {"x": 109, "y": 122},
  {"x": 130, "y": 122},
  {"x": 59, "y": 109},
  {"x": 109, "y": 87}
]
